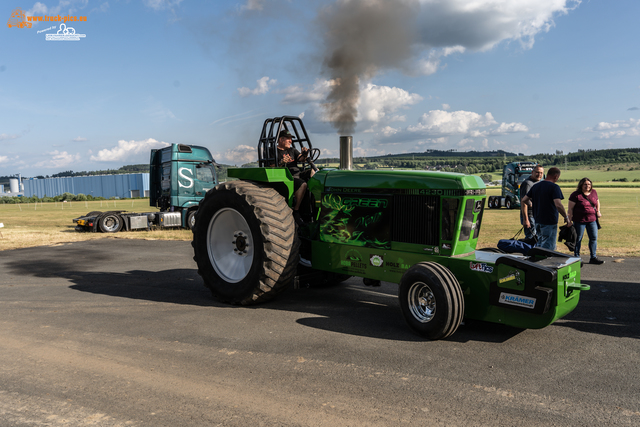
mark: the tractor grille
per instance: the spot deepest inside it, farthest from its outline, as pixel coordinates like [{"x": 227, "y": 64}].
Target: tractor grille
[{"x": 416, "y": 219}]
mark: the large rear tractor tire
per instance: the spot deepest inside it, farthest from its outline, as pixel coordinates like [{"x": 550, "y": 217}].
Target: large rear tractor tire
[
  {"x": 245, "y": 242},
  {"x": 110, "y": 223},
  {"x": 431, "y": 300}
]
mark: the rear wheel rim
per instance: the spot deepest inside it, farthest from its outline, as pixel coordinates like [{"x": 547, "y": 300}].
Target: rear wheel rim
[
  {"x": 422, "y": 302},
  {"x": 230, "y": 245},
  {"x": 111, "y": 223}
]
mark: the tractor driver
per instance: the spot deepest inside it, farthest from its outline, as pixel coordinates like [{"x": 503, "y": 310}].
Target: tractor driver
[{"x": 289, "y": 157}]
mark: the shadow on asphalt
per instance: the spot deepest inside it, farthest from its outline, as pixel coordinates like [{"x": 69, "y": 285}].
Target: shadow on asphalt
[
  {"x": 609, "y": 308},
  {"x": 349, "y": 308}
]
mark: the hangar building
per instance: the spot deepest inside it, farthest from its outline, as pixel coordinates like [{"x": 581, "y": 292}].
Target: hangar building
[{"x": 123, "y": 186}]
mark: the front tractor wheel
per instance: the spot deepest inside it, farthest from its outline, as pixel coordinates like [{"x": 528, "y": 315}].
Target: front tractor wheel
[
  {"x": 245, "y": 242},
  {"x": 431, "y": 300}
]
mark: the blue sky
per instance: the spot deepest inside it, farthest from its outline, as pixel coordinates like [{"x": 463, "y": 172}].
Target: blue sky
[{"x": 529, "y": 76}]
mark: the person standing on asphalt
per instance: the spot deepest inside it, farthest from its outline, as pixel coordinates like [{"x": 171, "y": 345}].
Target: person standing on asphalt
[
  {"x": 584, "y": 210},
  {"x": 536, "y": 175},
  {"x": 547, "y": 203}
]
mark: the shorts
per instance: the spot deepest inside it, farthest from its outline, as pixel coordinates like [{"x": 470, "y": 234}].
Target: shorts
[{"x": 301, "y": 178}]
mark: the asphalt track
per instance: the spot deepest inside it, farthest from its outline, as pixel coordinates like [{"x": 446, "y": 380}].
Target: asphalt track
[{"x": 119, "y": 332}]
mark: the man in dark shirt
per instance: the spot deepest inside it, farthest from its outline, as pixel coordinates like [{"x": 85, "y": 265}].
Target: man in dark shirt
[
  {"x": 288, "y": 156},
  {"x": 536, "y": 175},
  {"x": 547, "y": 203}
]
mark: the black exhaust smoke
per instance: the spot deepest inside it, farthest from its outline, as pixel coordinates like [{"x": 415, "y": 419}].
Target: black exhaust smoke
[{"x": 361, "y": 37}]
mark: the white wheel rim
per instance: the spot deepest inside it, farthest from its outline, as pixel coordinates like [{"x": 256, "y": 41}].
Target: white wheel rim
[
  {"x": 422, "y": 302},
  {"x": 230, "y": 245},
  {"x": 111, "y": 223}
]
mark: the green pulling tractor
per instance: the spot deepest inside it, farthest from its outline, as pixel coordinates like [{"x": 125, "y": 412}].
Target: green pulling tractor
[{"x": 415, "y": 228}]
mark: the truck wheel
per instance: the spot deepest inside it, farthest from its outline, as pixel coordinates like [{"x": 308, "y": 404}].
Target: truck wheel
[
  {"x": 110, "y": 223},
  {"x": 507, "y": 203},
  {"x": 191, "y": 219},
  {"x": 245, "y": 242},
  {"x": 431, "y": 300}
]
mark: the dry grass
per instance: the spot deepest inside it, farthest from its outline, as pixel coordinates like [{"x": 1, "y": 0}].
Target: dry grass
[{"x": 50, "y": 224}]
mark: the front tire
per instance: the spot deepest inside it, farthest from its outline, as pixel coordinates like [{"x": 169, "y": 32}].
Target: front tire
[
  {"x": 431, "y": 300},
  {"x": 245, "y": 242}
]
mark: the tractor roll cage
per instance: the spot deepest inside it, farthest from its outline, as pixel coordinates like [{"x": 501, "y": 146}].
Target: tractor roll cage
[{"x": 268, "y": 143}]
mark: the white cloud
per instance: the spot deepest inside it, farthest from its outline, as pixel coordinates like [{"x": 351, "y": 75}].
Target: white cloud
[
  {"x": 125, "y": 150},
  {"x": 263, "y": 86},
  {"x": 239, "y": 155},
  {"x": 253, "y": 5},
  {"x": 533, "y": 136},
  {"x": 157, "y": 111},
  {"x": 66, "y": 7},
  {"x": 4, "y": 159},
  {"x": 4, "y": 136},
  {"x": 465, "y": 123},
  {"x": 452, "y": 123},
  {"x": 161, "y": 4},
  {"x": 388, "y": 131},
  {"x": 298, "y": 95},
  {"x": 617, "y": 129},
  {"x": 505, "y": 128},
  {"x": 481, "y": 24},
  {"x": 430, "y": 62},
  {"x": 79, "y": 139},
  {"x": 59, "y": 160},
  {"x": 376, "y": 102}
]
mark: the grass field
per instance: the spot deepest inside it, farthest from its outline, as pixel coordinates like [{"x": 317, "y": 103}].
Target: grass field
[
  {"x": 27, "y": 225},
  {"x": 40, "y": 224}
]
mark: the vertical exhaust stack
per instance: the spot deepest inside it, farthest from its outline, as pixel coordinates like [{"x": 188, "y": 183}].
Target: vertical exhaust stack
[{"x": 346, "y": 152}]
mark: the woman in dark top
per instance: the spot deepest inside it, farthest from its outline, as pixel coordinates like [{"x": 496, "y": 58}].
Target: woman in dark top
[{"x": 584, "y": 210}]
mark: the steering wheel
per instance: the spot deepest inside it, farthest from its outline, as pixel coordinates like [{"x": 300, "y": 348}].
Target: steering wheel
[{"x": 312, "y": 156}]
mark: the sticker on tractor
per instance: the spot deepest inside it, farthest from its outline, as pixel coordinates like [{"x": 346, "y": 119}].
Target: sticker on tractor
[
  {"x": 376, "y": 260},
  {"x": 517, "y": 300},
  {"x": 356, "y": 220},
  {"x": 353, "y": 261},
  {"x": 513, "y": 275},
  {"x": 481, "y": 267},
  {"x": 397, "y": 267},
  {"x": 446, "y": 246}
]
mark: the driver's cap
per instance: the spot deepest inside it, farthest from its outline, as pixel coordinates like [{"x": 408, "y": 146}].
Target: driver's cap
[{"x": 285, "y": 134}]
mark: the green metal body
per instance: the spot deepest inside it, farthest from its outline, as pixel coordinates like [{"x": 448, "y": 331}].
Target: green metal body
[{"x": 377, "y": 224}]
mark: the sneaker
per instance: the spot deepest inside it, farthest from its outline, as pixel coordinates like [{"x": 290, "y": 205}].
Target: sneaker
[{"x": 596, "y": 261}]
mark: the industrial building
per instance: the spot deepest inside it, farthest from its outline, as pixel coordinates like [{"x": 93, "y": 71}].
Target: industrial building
[{"x": 123, "y": 186}]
